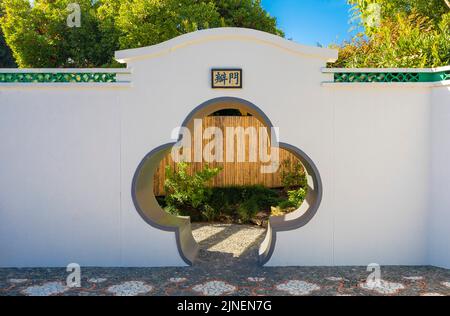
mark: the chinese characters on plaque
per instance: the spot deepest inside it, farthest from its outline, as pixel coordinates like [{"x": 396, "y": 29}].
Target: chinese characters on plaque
[{"x": 226, "y": 78}]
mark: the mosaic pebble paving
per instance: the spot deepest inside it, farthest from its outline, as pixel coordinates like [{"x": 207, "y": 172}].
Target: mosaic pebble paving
[
  {"x": 335, "y": 279},
  {"x": 97, "y": 280},
  {"x": 255, "y": 279},
  {"x": 383, "y": 287},
  {"x": 238, "y": 281},
  {"x": 17, "y": 281},
  {"x": 177, "y": 280},
  {"x": 214, "y": 288},
  {"x": 46, "y": 289},
  {"x": 413, "y": 278},
  {"x": 432, "y": 294},
  {"x": 130, "y": 288},
  {"x": 296, "y": 287},
  {"x": 224, "y": 271}
]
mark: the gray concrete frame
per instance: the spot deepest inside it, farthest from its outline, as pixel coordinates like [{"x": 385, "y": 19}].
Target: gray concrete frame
[{"x": 149, "y": 209}]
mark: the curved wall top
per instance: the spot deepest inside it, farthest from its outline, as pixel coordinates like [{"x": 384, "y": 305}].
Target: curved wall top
[{"x": 225, "y": 34}]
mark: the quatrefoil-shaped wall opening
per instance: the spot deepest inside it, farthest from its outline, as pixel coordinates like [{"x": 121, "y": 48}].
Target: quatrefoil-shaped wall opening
[{"x": 146, "y": 203}]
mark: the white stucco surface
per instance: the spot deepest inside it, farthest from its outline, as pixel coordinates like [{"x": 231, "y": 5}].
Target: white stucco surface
[
  {"x": 439, "y": 219},
  {"x": 68, "y": 156}
]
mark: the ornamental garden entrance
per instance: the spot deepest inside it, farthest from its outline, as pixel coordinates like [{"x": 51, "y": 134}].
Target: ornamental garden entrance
[{"x": 261, "y": 182}]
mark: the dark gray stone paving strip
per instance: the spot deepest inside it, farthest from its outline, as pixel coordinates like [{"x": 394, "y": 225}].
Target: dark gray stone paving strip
[
  {"x": 200, "y": 280},
  {"x": 228, "y": 265}
]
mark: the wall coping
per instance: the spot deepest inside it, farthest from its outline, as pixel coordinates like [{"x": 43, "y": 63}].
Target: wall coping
[
  {"x": 429, "y": 76},
  {"x": 121, "y": 77},
  {"x": 438, "y": 84},
  {"x": 383, "y": 70},
  {"x": 224, "y": 34},
  {"x": 65, "y": 77}
]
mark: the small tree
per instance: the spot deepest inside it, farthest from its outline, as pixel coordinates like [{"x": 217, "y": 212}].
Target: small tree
[
  {"x": 6, "y": 58},
  {"x": 411, "y": 33},
  {"x": 293, "y": 175},
  {"x": 39, "y": 36},
  {"x": 294, "y": 180},
  {"x": 187, "y": 194}
]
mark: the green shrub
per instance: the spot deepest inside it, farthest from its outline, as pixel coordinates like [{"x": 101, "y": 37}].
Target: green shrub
[
  {"x": 172, "y": 209},
  {"x": 286, "y": 204},
  {"x": 188, "y": 195},
  {"x": 225, "y": 198},
  {"x": 296, "y": 197},
  {"x": 294, "y": 201},
  {"x": 210, "y": 213},
  {"x": 293, "y": 178},
  {"x": 248, "y": 209},
  {"x": 264, "y": 197},
  {"x": 293, "y": 175}
]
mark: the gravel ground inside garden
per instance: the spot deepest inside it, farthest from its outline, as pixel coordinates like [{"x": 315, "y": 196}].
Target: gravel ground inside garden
[
  {"x": 228, "y": 244},
  {"x": 227, "y": 266}
]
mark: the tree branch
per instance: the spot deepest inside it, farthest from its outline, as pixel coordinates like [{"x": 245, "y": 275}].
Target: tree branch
[{"x": 447, "y": 2}]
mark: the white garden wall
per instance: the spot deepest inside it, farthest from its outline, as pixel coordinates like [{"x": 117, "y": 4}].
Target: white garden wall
[
  {"x": 60, "y": 175},
  {"x": 69, "y": 152},
  {"x": 439, "y": 220}
]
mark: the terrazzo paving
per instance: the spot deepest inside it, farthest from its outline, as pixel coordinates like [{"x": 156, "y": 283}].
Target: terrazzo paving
[{"x": 228, "y": 268}]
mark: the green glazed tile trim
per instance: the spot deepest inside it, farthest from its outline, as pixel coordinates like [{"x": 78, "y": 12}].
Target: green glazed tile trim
[
  {"x": 355, "y": 77},
  {"x": 433, "y": 77},
  {"x": 56, "y": 77}
]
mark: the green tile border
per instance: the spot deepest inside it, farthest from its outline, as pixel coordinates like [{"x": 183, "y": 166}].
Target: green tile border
[
  {"x": 363, "y": 77},
  {"x": 45, "y": 77},
  {"x": 339, "y": 77}
]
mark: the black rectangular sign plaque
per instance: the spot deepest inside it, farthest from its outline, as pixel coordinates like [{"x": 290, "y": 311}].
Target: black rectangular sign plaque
[{"x": 226, "y": 78}]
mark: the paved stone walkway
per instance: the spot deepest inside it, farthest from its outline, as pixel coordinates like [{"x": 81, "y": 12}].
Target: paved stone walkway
[
  {"x": 226, "y": 245},
  {"x": 227, "y": 265}
]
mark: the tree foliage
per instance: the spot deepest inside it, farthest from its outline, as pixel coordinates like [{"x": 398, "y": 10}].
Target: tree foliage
[
  {"x": 411, "y": 33},
  {"x": 39, "y": 36},
  {"x": 148, "y": 22},
  {"x": 248, "y": 14},
  {"x": 6, "y": 59}
]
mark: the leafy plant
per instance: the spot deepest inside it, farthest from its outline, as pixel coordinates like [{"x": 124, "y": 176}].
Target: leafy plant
[
  {"x": 191, "y": 195},
  {"x": 294, "y": 180},
  {"x": 293, "y": 175},
  {"x": 294, "y": 201},
  {"x": 296, "y": 197},
  {"x": 37, "y": 33},
  {"x": 187, "y": 194},
  {"x": 411, "y": 33},
  {"x": 286, "y": 205},
  {"x": 248, "y": 209},
  {"x": 6, "y": 58},
  {"x": 277, "y": 211}
]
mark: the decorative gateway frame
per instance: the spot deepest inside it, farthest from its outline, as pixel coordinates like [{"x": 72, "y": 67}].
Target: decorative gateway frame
[{"x": 149, "y": 209}]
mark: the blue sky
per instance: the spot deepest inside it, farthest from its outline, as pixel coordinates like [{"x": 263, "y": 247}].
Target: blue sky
[{"x": 312, "y": 21}]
